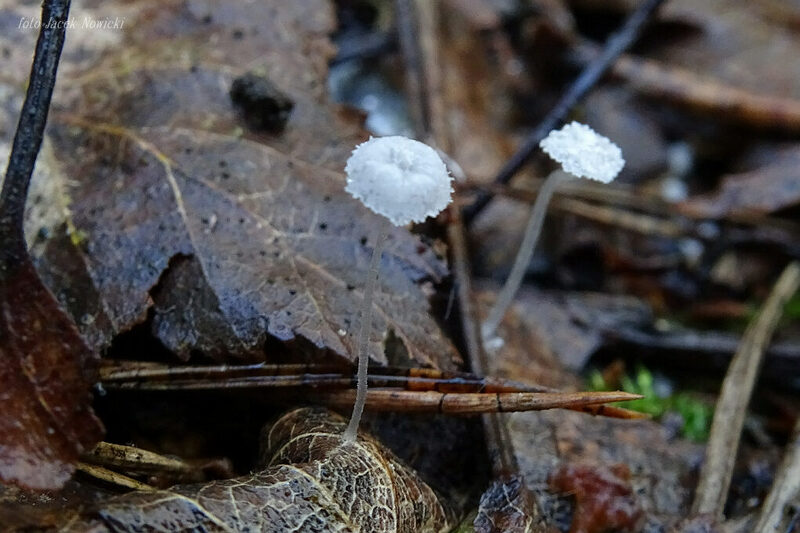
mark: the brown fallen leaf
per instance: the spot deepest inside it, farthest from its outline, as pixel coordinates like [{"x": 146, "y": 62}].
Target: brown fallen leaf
[
  {"x": 553, "y": 334},
  {"x": 773, "y": 186},
  {"x": 270, "y": 245},
  {"x": 473, "y": 46},
  {"x": 310, "y": 482},
  {"x": 217, "y": 237},
  {"x": 46, "y": 420},
  {"x": 736, "y": 43}
]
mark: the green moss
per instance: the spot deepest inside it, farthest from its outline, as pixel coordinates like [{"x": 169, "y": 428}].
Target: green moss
[
  {"x": 696, "y": 413},
  {"x": 791, "y": 310}
]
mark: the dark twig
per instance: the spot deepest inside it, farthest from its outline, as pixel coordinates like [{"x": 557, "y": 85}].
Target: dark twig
[
  {"x": 30, "y": 130},
  {"x": 416, "y": 80},
  {"x": 594, "y": 71}
]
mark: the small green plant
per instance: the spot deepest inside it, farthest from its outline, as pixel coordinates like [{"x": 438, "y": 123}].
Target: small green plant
[
  {"x": 696, "y": 413},
  {"x": 791, "y": 310}
]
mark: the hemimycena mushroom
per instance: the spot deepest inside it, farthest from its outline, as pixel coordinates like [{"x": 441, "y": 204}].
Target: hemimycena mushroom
[
  {"x": 404, "y": 181},
  {"x": 582, "y": 153}
]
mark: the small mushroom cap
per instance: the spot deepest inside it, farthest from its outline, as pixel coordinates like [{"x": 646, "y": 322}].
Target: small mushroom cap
[
  {"x": 399, "y": 178},
  {"x": 583, "y": 152}
]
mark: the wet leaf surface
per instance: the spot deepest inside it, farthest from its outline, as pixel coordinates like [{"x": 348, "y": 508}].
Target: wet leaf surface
[
  {"x": 267, "y": 245},
  {"x": 217, "y": 236}
]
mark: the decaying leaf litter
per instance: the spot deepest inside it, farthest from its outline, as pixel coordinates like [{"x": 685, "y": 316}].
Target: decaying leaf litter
[{"x": 157, "y": 176}]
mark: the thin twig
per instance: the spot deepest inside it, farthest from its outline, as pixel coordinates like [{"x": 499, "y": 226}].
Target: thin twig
[
  {"x": 785, "y": 489},
  {"x": 114, "y": 478},
  {"x": 705, "y": 95},
  {"x": 614, "y": 47},
  {"x": 737, "y": 388},
  {"x": 30, "y": 131},
  {"x": 458, "y": 403},
  {"x": 504, "y": 462},
  {"x": 129, "y": 458}
]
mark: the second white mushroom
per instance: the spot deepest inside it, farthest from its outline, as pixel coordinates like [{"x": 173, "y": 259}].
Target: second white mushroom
[{"x": 582, "y": 153}]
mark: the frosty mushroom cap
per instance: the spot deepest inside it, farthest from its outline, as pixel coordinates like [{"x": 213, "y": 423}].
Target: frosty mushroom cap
[
  {"x": 399, "y": 178},
  {"x": 583, "y": 152}
]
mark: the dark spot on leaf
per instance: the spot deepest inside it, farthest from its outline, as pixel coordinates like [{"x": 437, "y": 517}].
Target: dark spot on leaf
[{"x": 264, "y": 106}]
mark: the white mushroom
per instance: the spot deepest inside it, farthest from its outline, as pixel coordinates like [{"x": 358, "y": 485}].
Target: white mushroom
[
  {"x": 399, "y": 178},
  {"x": 582, "y": 153},
  {"x": 404, "y": 181}
]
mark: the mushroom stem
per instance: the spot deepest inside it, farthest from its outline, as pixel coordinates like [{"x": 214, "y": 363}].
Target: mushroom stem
[
  {"x": 523, "y": 259},
  {"x": 365, "y": 328}
]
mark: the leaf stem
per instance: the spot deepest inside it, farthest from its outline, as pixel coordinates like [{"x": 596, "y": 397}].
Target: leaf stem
[
  {"x": 365, "y": 328},
  {"x": 523, "y": 258}
]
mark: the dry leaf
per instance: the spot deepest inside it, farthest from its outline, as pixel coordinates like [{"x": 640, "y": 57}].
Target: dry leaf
[
  {"x": 508, "y": 506},
  {"x": 775, "y": 185},
  {"x": 737, "y": 43},
  {"x": 312, "y": 482}
]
